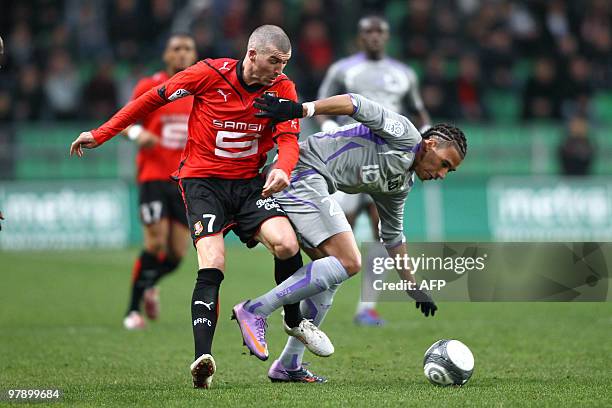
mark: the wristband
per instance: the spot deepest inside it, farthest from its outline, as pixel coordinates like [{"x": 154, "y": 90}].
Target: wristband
[
  {"x": 310, "y": 109},
  {"x": 134, "y": 132}
]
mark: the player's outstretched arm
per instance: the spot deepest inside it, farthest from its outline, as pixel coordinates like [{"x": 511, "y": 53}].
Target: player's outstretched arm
[
  {"x": 423, "y": 300},
  {"x": 282, "y": 110}
]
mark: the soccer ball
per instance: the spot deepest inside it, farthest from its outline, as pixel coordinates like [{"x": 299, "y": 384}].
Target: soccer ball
[{"x": 448, "y": 362}]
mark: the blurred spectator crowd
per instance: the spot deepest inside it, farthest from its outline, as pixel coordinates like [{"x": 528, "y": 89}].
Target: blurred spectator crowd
[{"x": 79, "y": 59}]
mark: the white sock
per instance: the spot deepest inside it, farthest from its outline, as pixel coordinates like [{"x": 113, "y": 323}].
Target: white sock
[
  {"x": 314, "y": 308},
  {"x": 309, "y": 280}
]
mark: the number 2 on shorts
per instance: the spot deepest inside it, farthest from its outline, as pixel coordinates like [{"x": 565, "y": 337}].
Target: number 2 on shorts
[{"x": 334, "y": 208}]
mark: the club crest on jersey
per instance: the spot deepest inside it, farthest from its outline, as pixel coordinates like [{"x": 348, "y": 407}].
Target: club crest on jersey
[
  {"x": 179, "y": 93},
  {"x": 198, "y": 228},
  {"x": 394, "y": 127},
  {"x": 272, "y": 93}
]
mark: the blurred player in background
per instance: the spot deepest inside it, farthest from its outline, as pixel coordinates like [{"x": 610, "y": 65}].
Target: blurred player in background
[
  {"x": 380, "y": 156},
  {"x": 161, "y": 138},
  {"x": 222, "y": 187},
  {"x": 373, "y": 74}
]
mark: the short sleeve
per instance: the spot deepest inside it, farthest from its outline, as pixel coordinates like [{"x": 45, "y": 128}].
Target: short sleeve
[{"x": 391, "y": 126}]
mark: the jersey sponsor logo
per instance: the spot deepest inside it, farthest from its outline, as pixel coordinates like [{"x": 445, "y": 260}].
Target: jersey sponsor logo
[
  {"x": 228, "y": 124},
  {"x": 224, "y": 67},
  {"x": 269, "y": 204},
  {"x": 223, "y": 94},
  {"x": 394, "y": 127},
  {"x": 198, "y": 228},
  {"x": 179, "y": 93},
  {"x": 394, "y": 183}
]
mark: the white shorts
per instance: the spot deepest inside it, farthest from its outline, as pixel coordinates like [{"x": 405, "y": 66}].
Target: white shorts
[
  {"x": 352, "y": 203},
  {"x": 314, "y": 213}
]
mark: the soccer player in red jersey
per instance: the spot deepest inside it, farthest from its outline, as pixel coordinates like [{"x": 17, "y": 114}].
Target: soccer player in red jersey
[
  {"x": 222, "y": 188},
  {"x": 161, "y": 138}
]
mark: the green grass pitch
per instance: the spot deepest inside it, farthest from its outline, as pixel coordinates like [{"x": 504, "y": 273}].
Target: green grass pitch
[{"x": 60, "y": 327}]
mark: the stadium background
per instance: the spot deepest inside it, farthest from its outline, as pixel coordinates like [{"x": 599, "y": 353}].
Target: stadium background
[
  {"x": 523, "y": 79},
  {"x": 520, "y": 77}
]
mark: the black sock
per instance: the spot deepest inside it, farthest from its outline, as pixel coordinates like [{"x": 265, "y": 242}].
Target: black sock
[
  {"x": 146, "y": 271},
  {"x": 166, "y": 267},
  {"x": 283, "y": 269},
  {"x": 205, "y": 309}
]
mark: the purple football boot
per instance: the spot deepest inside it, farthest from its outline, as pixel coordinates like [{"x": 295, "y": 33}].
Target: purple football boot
[
  {"x": 253, "y": 329},
  {"x": 278, "y": 373}
]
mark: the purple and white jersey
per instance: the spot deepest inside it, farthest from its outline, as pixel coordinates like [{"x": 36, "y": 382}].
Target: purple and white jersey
[
  {"x": 371, "y": 156},
  {"x": 386, "y": 81}
]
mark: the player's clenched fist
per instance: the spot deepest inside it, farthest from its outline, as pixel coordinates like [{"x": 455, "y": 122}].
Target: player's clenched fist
[
  {"x": 277, "y": 181},
  {"x": 84, "y": 141},
  {"x": 278, "y": 109}
]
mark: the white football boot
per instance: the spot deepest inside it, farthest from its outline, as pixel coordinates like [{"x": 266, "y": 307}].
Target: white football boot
[
  {"x": 202, "y": 371},
  {"x": 134, "y": 321},
  {"x": 313, "y": 338}
]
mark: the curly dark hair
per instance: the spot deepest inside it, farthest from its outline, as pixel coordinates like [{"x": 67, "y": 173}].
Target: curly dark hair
[{"x": 448, "y": 133}]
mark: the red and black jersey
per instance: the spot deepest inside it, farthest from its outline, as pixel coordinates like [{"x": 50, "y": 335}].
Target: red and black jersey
[
  {"x": 225, "y": 139},
  {"x": 169, "y": 123}
]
